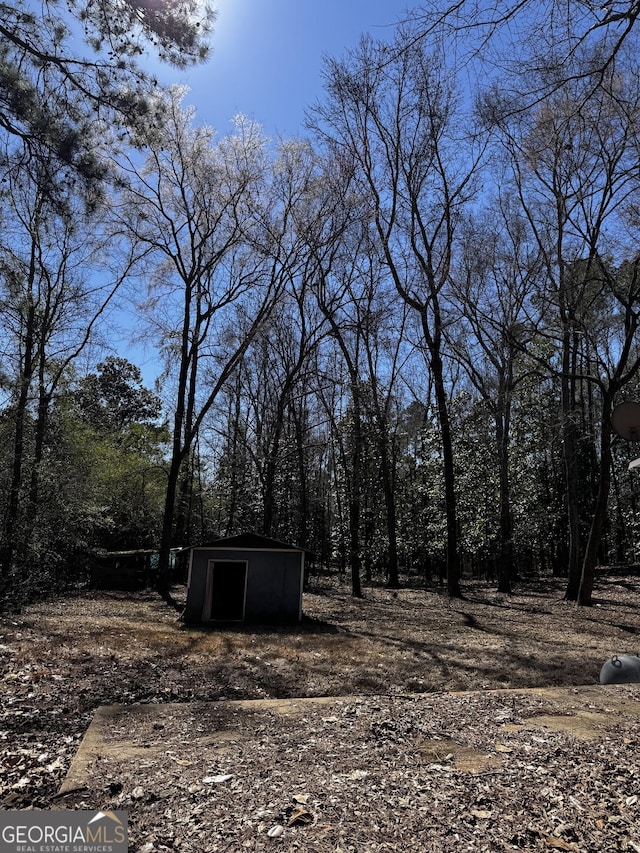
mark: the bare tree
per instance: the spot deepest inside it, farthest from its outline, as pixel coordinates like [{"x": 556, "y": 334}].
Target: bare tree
[
  {"x": 574, "y": 168},
  {"x": 518, "y": 39},
  {"x": 274, "y": 375},
  {"x": 50, "y": 307},
  {"x": 334, "y": 267},
  {"x": 616, "y": 362},
  {"x": 385, "y": 346},
  {"x": 493, "y": 285},
  {"x": 194, "y": 205},
  {"x": 392, "y": 112},
  {"x": 295, "y": 203}
]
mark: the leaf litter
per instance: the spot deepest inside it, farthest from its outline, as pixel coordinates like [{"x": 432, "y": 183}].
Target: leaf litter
[{"x": 400, "y": 766}]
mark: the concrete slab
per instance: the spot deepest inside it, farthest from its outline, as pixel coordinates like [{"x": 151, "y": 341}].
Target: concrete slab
[
  {"x": 163, "y": 734},
  {"x": 133, "y": 732}
]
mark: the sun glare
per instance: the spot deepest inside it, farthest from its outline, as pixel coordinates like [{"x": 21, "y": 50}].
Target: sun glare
[{"x": 228, "y": 25}]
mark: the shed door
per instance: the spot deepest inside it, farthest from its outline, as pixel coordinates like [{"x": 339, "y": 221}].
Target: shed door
[{"x": 228, "y": 589}]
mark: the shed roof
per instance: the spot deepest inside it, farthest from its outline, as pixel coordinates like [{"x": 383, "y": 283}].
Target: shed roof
[{"x": 251, "y": 541}]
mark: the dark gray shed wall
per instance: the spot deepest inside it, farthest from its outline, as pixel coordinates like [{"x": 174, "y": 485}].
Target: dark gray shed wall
[{"x": 274, "y": 583}]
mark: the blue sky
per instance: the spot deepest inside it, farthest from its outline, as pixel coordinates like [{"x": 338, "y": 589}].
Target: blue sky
[
  {"x": 267, "y": 57},
  {"x": 267, "y": 63}
]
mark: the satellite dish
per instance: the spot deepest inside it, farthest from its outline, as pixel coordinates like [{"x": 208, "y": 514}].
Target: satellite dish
[
  {"x": 634, "y": 464},
  {"x": 625, "y": 420}
]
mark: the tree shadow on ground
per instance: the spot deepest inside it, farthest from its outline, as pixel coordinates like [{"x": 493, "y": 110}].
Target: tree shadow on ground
[{"x": 308, "y": 625}]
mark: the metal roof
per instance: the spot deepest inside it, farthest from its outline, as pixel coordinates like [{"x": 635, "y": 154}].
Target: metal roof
[{"x": 250, "y": 541}]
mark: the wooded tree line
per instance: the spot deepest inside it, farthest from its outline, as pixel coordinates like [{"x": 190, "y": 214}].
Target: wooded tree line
[{"x": 397, "y": 341}]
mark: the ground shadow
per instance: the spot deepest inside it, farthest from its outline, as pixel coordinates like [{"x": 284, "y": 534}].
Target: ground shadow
[{"x": 308, "y": 625}]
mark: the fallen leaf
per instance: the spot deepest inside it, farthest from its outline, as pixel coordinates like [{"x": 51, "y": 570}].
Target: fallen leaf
[
  {"x": 358, "y": 774},
  {"x": 217, "y": 780},
  {"x": 303, "y": 799},
  {"x": 556, "y": 843},
  {"x": 300, "y": 817},
  {"x": 275, "y": 831},
  {"x": 181, "y": 761}
]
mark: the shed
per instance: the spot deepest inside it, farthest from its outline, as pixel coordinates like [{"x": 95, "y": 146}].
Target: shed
[
  {"x": 126, "y": 570},
  {"x": 245, "y": 578},
  {"x": 134, "y": 570}
]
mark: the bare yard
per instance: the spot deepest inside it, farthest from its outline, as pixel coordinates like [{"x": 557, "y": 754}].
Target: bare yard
[{"x": 415, "y": 768}]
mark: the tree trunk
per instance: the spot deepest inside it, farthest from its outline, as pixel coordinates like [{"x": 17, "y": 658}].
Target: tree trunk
[
  {"x": 234, "y": 485},
  {"x": 303, "y": 527},
  {"x": 505, "y": 567},
  {"x": 180, "y": 446},
  {"x": 393, "y": 580},
  {"x": 354, "y": 498},
  {"x": 585, "y": 596},
  {"x": 33, "y": 499},
  {"x": 502, "y": 419},
  {"x": 437, "y": 371},
  {"x": 166, "y": 541},
  {"x": 10, "y": 538},
  {"x": 184, "y": 503},
  {"x": 569, "y": 440}
]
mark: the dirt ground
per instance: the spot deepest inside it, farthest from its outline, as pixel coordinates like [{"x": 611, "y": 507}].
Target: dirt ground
[{"x": 399, "y": 760}]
